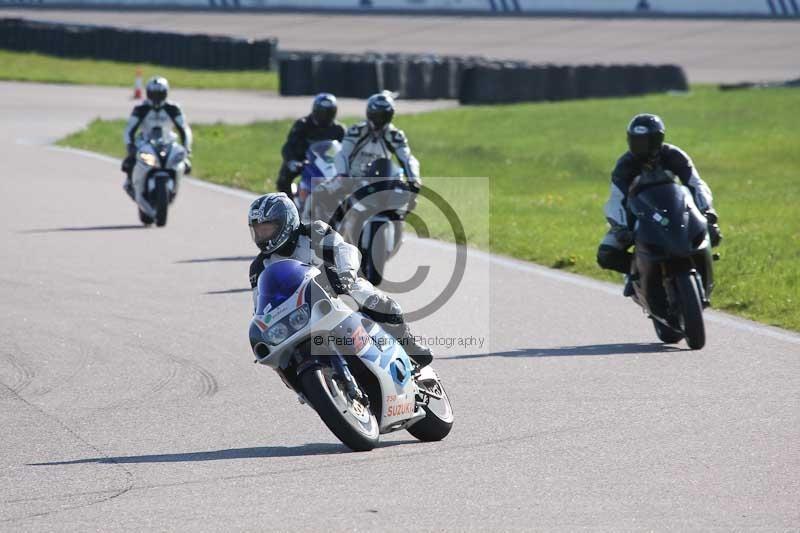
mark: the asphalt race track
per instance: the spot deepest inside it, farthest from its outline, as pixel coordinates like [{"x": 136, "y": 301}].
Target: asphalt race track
[
  {"x": 711, "y": 51},
  {"x": 129, "y": 401}
]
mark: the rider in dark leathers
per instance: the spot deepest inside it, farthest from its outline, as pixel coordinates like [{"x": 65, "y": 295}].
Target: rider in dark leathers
[
  {"x": 319, "y": 125},
  {"x": 647, "y": 150}
]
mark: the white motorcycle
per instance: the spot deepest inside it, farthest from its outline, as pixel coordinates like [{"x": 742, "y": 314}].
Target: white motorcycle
[
  {"x": 356, "y": 376},
  {"x": 369, "y": 212},
  {"x": 160, "y": 165}
]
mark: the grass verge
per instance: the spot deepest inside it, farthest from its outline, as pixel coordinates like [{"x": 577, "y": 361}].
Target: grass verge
[
  {"x": 549, "y": 167},
  {"x": 24, "y": 66}
]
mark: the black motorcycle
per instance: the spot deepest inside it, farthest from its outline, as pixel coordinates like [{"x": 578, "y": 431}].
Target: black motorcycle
[{"x": 672, "y": 270}]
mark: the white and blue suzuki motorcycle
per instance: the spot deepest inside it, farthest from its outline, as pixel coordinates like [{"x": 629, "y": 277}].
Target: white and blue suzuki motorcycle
[{"x": 355, "y": 375}]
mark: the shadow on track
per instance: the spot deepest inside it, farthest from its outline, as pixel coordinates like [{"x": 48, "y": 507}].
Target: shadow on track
[
  {"x": 260, "y": 452},
  {"x": 216, "y": 259},
  {"x": 588, "y": 350},
  {"x": 229, "y": 291},
  {"x": 86, "y": 228}
]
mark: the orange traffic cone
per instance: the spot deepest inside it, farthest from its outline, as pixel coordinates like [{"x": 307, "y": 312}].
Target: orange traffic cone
[{"x": 137, "y": 84}]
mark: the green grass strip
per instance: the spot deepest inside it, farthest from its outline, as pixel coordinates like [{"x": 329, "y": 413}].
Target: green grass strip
[{"x": 24, "y": 66}]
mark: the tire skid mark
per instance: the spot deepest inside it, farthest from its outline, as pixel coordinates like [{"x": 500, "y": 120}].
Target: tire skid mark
[
  {"x": 208, "y": 385},
  {"x": 206, "y": 382},
  {"x": 166, "y": 379},
  {"x": 202, "y": 382},
  {"x": 113, "y": 493},
  {"x": 22, "y": 374}
]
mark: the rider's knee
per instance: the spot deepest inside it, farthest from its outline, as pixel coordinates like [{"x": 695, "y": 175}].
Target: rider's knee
[
  {"x": 383, "y": 309},
  {"x": 612, "y": 258}
]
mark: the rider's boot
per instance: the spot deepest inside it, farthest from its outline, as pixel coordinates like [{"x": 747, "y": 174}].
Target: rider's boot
[{"x": 421, "y": 354}]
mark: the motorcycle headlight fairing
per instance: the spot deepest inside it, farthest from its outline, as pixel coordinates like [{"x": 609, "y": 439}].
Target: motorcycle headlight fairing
[
  {"x": 277, "y": 334},
  {"x": 299, "y": 317},
  {"x": 147, "y": 158}
]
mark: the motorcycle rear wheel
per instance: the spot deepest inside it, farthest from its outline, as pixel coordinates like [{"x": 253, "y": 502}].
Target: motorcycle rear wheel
[
  {"x": 351, "y": 422},
  {"x": 691, "y": 311}
]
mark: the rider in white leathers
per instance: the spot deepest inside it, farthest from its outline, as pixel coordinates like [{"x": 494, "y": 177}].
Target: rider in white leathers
[
  {"x": 155, "y": 114},
  {"x": 276, "y": 229},
  {"x": 376, "y": 138}
]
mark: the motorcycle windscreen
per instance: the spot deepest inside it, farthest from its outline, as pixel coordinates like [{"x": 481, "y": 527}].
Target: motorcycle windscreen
[
  {"x": 325, "y": 150},
  {"x": 663, "y": 215},
  {"x": 382, "y": 194},
  {"x": 278, "y": 282}
]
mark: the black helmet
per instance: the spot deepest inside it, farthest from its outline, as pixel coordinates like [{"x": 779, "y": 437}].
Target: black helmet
[
  {"x": 157, "y": 89},
  {"x": 324, "y": 109},
  {"x": 645, "y": 135},
  {"x": 273, "y": 221},
  {"x": 380, "y": 109}
]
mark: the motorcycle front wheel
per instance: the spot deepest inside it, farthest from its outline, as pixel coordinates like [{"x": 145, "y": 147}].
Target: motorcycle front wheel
[
  {"x": 375, "y": 257},
  {"x": 352, "y": 422},
  {"x": 162, "y": 202},
  {"x": 691, "y": 310},
  {"x": 438, "y": 419}
]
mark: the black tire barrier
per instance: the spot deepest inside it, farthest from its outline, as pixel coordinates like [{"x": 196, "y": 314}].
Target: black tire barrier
[
  {"x": 502, "y": 82},
  {"x": 363, "y": 78},
  {"x": 328, "y": 75},
  {"x": 671, "y": 78},
  {"x": 484, "y": 84},
  {"x": 592, "y": 81},
  {"x": 393, "y": 75},
  {"x": 419, "y": 76},
  {"x": 118, "y": 44},
  {"x": 295, "y": 76},
  {"x": 561, "y": 84}
]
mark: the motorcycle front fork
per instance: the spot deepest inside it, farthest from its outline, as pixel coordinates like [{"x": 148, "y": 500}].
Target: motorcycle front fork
[
  {"x": 342, "y": 371},
  {"x": 673, "y": 307}
]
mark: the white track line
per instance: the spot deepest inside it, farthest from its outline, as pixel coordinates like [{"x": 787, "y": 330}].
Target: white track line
[{"x": 717, "y": 317}]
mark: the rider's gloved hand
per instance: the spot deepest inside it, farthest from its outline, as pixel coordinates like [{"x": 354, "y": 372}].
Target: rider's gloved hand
[
  {"x": 714, "y": 233},
  {"x": 624, "y": 237},
  {"x": 295, "y": 166}
]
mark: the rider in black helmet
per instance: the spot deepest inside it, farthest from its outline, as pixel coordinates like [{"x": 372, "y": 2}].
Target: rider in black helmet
[
  {"x": 647, "y": 150},
  {"x": 319, "y": 125},
  {"x": 276, "y": 229}
]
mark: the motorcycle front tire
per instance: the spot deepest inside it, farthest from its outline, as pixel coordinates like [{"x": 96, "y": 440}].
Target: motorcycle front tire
[
  {"x": 356, "y": 435},
  {"x": 691, "y": 308}
]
